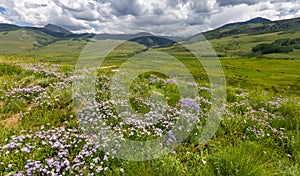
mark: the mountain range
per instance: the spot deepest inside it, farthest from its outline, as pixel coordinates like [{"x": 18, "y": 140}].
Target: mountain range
[
  {"x": 59, "y": 32},
  {"x": 15, "y": 38},
  {"x": 52, "y": 33}
]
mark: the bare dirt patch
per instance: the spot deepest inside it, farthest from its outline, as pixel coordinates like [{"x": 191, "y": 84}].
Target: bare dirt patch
[
  {"x": 11, "y": 122},
  {"x": 30, "y": 107}
]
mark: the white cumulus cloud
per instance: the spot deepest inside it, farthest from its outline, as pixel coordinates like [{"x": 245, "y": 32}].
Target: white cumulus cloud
[{"x": 163, "y": 17}]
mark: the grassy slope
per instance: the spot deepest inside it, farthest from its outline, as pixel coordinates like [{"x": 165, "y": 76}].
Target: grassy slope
[
  {"x": 242, "y": 44},
  {"x": 61, "y": 51},
  {"x": 22, "y": 40},
  {"x": 288, "y": 26},
  {"x": 239, "y": 40}
]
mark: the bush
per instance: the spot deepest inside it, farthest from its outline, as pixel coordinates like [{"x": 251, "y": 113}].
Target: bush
[
  {"x": 272, "y": 48},
  {"x": 279, "y": 46}
]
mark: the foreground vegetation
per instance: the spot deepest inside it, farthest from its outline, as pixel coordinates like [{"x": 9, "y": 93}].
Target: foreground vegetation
[{"x": 259, "y": 133}]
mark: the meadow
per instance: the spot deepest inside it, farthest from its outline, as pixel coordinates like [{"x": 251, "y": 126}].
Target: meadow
[{"x": 40, "y": 133}]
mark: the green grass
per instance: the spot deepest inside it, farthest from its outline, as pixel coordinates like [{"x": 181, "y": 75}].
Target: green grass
[
  {"x": 280, "y": 76},
  {"x": 244, "y": 159},
  {"x": 237, "y": 147}
]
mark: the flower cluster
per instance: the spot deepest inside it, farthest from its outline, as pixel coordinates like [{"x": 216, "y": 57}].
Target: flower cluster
[{"x": 66, "y": 151}]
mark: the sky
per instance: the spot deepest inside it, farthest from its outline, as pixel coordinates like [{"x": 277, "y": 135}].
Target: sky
[{"x": 161, "y": 17}]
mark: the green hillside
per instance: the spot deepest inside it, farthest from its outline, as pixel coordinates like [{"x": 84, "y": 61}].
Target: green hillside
[
  {"x": 241, "y": 39},
  {"x": 243, "y": 44},
  {"x": 16, "y": 39},
  {"x": 22, "y": 40},
  {"x": 252, "y": 27}
]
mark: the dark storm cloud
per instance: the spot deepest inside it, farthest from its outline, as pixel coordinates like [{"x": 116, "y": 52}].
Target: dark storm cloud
[
  {"x": 157, "y": 10},
  {"x": 126, "y": 7},
  {"x": 86, "y": 16},
  {"x": 249, "y": 2},
  {"x": 34, "y": 5},
  {"x": 200, "y": 6},
  {"x": 154, "y": 21},
  {"x": 196, "y": 19},
  {"x": 236, "y": 2}
]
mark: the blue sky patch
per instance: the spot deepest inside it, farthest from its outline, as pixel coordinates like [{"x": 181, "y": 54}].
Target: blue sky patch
[
  {"x": 293, "y": 11},
  {"x": 2, "y": 9}
]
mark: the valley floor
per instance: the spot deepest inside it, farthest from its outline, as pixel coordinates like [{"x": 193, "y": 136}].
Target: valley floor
[{"x": 42, "y": 133}]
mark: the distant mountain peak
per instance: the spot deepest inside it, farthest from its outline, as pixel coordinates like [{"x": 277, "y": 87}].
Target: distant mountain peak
[
  {"x": 258, "y": 20},
  {"x": 57, "y": 29}
]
